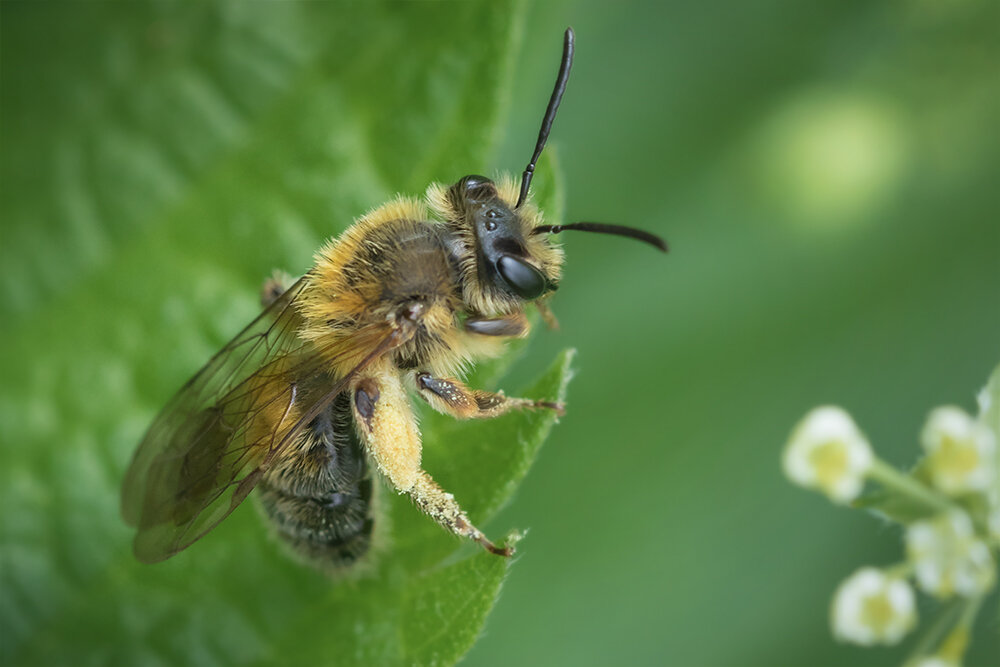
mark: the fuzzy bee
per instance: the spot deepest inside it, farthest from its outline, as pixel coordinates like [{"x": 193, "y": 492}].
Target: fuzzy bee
[{"x": 316, "y": 389}]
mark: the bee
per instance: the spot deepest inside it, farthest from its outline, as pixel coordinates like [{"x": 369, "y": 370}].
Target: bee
[{"x": 314, "y": 393}]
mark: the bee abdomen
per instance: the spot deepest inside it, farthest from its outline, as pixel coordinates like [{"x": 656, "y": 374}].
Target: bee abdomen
[
  {"x": 319, "y": 500},
  {"x": 331, "y": 531}
]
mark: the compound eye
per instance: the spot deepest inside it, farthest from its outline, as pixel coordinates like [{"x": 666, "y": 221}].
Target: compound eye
[
  {"x": 477, "y": 187},
  {"x": 527, "y": 281},
  {"x": 472, "y": 181}
]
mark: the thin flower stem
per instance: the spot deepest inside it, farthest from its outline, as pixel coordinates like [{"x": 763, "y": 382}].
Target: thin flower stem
[
  {"x": 952, "y": 648},
  {"x": 930, "y": 639},
  {"x": 889, "y": 477},
  {"x": 968, "y": 617}
]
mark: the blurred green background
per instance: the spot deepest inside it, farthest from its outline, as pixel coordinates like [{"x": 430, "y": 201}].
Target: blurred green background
[{"x": 826, "y": 174}]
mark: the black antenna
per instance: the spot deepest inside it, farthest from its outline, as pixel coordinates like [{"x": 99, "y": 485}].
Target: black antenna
[
  {"x": 603, "y": 228},
  {"x": 550, "y": 113}
]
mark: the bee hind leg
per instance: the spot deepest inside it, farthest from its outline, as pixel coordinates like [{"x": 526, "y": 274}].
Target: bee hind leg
[
  {"x": 441, "y": 506},
  {"x": 449, "y": 396},
  {"x": 386, "y": 425}
]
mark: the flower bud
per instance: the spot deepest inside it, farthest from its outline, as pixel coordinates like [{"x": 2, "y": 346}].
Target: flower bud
[
  {"x": 961, "y": 452},
  {"x": 871, "y": 607},
  {"x": 827, "y": 452}
]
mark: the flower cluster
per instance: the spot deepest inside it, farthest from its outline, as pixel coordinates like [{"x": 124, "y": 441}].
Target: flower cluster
[{"x": 949, "y": 506}]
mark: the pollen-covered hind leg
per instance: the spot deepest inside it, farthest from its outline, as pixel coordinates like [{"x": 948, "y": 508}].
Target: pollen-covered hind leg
[
  {"x": 451, "y": 397},
  {"x": 385, "y": 423},
  {"x": 441, "y": 506}
]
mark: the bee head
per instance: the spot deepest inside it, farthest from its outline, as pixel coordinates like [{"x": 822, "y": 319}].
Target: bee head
[
  {"x": 503, "y": 249},
  {"x": 502, "y": 240}
]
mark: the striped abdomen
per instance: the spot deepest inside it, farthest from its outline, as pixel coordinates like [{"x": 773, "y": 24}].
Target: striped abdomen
[{"x": 319, "y": 499}]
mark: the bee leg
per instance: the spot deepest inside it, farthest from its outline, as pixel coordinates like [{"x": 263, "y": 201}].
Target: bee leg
[
  {"x": 515, "y": 325},
  {"x": 276, "y": 285},
  {"x": 386, "y": 425},
  {"x": 439, "y": 505},
  {"x": 451, "y": 397},
  {"x": 547, "y": 315}
]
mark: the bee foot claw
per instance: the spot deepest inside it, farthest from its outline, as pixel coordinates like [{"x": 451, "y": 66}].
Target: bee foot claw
[
  {"x": 505, "y": 551},
  {"x": 558, "y": 408}
]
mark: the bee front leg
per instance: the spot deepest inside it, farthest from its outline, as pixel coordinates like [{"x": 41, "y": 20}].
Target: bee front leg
[
  {"x": 451, "y": 397},
  {"x": 514, "y": 326},
  {"x": 385, "y": 423}
]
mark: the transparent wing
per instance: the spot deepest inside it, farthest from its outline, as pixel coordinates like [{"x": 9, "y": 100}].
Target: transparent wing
[{"x": 216, "y": 437}]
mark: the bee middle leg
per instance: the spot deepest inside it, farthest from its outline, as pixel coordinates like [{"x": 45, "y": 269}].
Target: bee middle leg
[
  {"x": 449, "y": 396},
  {"x": 275, "y": 285},
  {"x": 386, "y": 424}
]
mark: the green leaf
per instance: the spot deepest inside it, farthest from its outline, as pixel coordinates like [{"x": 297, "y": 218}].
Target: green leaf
[{"x": 159, "y": 161}]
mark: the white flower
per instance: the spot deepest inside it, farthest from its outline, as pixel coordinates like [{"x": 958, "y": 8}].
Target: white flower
[
  {"x": 948, "y": 557},
  {"x": 961, "y": 452},
  {"x": 871, "y": 607},
  {"x": 827, "y": 452}
]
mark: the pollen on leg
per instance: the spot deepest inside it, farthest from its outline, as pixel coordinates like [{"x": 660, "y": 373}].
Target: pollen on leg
[
  {"x": 387, "y": 427},
  {"x": 442, "y": 507}
]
